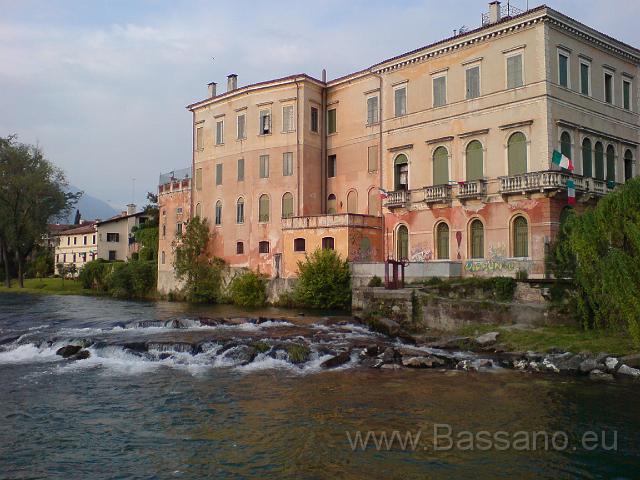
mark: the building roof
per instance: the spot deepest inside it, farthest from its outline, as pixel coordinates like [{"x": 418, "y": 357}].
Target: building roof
[
  {"x": 117, "y": 218},
  {"x": 58, "y": 227},
  {"x": 88, "y": 227}
]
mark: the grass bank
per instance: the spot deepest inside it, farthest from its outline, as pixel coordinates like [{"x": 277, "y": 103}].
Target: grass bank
[
  {"x": 49, "y": 286},
  {"x": 571, "y": 339}
]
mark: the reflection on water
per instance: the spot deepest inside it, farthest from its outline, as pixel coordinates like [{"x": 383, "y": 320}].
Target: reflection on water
[{"x": 66, "y": 420}]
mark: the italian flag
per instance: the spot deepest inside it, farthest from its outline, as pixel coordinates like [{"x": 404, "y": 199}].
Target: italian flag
[
  {"x": 571, "y": 192},
  {"x": 383, "y": 193},
  {"x": 562, "y": 161}
]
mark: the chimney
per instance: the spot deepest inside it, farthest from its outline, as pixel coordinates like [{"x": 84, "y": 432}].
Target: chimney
[
  {"x": 232, "y": 82},
  {"x": 324, "y": 75},
  {"x": 494, "y": 11},
  {"x": 131, "y": 209},
  {"x": 212, "y": 89}
]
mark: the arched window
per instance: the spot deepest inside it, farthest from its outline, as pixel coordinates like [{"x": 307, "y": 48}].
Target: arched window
[
  {"x": 440, "y": 166},
  {"x": 599, "y": 154},
  {"x": 240, "y": 210},
  {"x": 587, "y": 161},
  {"x": 475, "y": 169},
  {"x": 263, "y": 208},
  {"x": 477, "y": 239},
  {"x": 198, "y": 210},
  {"x": 628, "y": 165},
  {"x": 401, "y": 170},
  {"x": 352, "y": 202},
  {"x": 517, "y": 153},
  {"x": 611, "y": 164},
  {"x": 442, "y": 241},
  {"x": 331, "y": 205},
  {"x": 565, "y": 144},
  {"x": 374, "y": 202},
  {"x": 218, "y": 212},
  {"x": 162, "y": 257},
  {"x": 403, "y": 243},
  {"x": 520, "y": 237},
  {"x": 287, "y": 205}
]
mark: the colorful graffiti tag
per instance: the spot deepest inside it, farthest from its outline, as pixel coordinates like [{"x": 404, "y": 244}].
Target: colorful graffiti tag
[
  {"x": 420, "y": 253},
  {"x": 497, "y": 262}
]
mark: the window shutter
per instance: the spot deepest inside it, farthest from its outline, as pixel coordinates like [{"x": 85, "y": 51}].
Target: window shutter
[
  {"x": 474, "y": 161},
  {"x": 373, "y": 158},
  {"x": 240, "y": 169},
  {"x": 611, "y": 164},
  {"x": 517, "y": 153},
  {"x": 563, "y": 79},
  {"x": 587, "y": 169},
  {"x": 400, "y": 101},
  {"x": 440, "y": 166},
  {"x": 599, "y": 161},
  {"x": 514, "y": 71},
  {"x": 439, "y": 91},
  {"x": 442, "y": 239},
  {"x": 584, "y": 79}
]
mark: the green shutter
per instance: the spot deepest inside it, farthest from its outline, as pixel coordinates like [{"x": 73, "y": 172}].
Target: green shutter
[
  {"x": 611, "y": 164},
  {"x": 599, "y": 161},
  {"x": 403, "y": 243},
  {"x": 563, "y": 65},
  {"x": 287, "y": 205},
  {"x": 440, "y": 166},
  {"x": 584, "y": 79},
  {"x": 442, "y": 241},
  {"x": 263, "y": 208},
  {"x": 626, "y": 95},
  {"x": 587, "y": 167},
  {"x": 520, "y": 237},
  {"x": 332, "y": 121},
  {"x": 517, "y": 153},
  {"x": 477, "y": 239},
  {"x": 474, "y": 161}
]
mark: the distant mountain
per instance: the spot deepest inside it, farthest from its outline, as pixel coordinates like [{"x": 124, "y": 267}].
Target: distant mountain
[{"x": 90, "y": 207}]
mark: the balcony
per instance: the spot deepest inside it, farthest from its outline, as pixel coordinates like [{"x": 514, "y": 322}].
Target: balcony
[
  {"x": 399, "y": 198},
  {"x": 331, "y": 221},
  {"x": 551, "y": 180},
  {"x": 472, "y": 189},
  {"x": 437, "y": 194}
]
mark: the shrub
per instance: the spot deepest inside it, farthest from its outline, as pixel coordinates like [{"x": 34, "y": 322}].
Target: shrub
[
  {"x": 503, "y": 288},
  {"x": 92, "y": 275},
  {"x": 324, "y": 281},
  {"x": 375, "y": 281},
  {"x": 522, "y": 275},
  {"x": 248, "y": 289},
  {"x": 131, "y": 279}
]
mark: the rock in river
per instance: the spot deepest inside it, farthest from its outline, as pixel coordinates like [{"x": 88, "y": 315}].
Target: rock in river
[
  {"x": 632, "y": 361},
  {"x": 340, "y": 359},
  {"x": 423, "y": 362},
  {"x": 627, "y": 371},
  {"x": 487, "y": 339},
  {"x": 68, "y": 350},
  {"x": 81, "y": 355}
]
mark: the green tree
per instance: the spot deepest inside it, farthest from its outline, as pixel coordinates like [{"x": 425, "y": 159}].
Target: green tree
[
  {"x": 600, "y": 250},
  {"x": 202, "y": 275},
  {"x": 33, "y": 193},
  {"x": 248, "y": 289},
  {"x": 146, "y": 235},
  {"x": 324, "y": 281}
]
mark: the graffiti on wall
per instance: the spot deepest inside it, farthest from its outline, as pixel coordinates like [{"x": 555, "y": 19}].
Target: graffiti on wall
[
  {"x": 420, "y": 253},
  {"x": 497, "y": 261},
  {"x": 361, "y": 248}
]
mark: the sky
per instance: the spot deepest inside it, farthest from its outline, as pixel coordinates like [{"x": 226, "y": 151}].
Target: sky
[{"x": 101, "y": 86}]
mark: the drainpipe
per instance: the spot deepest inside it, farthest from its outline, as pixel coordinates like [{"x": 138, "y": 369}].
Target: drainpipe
[
  {"x": 380, "y": 164},
  {"x": 322, "y": 120}
]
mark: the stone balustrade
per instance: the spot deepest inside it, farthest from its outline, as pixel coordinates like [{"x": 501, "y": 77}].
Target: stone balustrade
[{"x": 331, "y": 221}]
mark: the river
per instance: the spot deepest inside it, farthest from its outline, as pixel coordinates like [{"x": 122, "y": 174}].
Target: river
[{"x": 169, "y": 391}]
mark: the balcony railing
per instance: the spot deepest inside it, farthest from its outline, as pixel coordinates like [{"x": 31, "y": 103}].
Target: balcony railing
[
  {"x": 397, "y": 199},
  {"x": 550, "y": 180},
  {"x": 331, "y": 221},
  {"x": 437, "y": 193},
  {"x": 472, "y": 189},
  {"x": 175, "y": 186}
]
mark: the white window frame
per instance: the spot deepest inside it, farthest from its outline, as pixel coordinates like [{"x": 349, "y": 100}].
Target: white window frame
[
  {"x": 628, "y": 80},
  {"x": 286, "y": 155},
  {"x": 244, "y": 132},
  {"x": 376, "y": 118},
  {"x": 584, "y": 61},
  {"x": 292, "y": 127},
  {"x": 507, "y": 56},
  {"x": 401, "y": 86},
  {"x": 435, "y": 77},
  {"x": 567, "y": 54},
  {"x": 199, "y": 138},
  {"x": 220, "y": 138},
  {"x": 469, "y": 67},
  {"x": 605, "y": 72},
  {"x": 317, "y": 109}
]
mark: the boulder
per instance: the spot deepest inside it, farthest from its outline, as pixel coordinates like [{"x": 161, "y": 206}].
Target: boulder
[
  {"x": 68, "y": 350},
  {"x": 598, "y": 374},
  {"x": 487, "y": 339},
  {"x": 371, "y": 350},
  {"x": 422, "y": 362},
  {"x": 390, "y": 355},
  {"x": 386, "y": 326},
  {"x": 567, "y": 363},
  {"x": 466, "y": 365},
  {"x": 627, "y": 371},
  {"x": 612, "y": 364},
  {"x": 241, "y": 355},
  {"x": 81, "y": 355},
  {"x": 632, "y": 361},
  {"x": 588, "y": 365},
  {"x": 340, "y": 359}
]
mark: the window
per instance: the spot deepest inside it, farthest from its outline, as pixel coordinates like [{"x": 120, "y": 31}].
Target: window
[
  {"x": 164, "y": 231},
  {"x": 474, "y": 161},
  {"x": 442, "y": 241},
  {"x": 585, "y": 77},
  {"x": 241, "y": 169},
  {"x": 372, "y": 158},
  {"x": 520, "y": 237},
  {"x": 628, "y": 165},
  {"x": 111, "y": 237},
  {"x": 328, "y": 243},
  {"x": 68, "y": 240},
  {"x": 477, "y": 239},
  {"x": 287, "y": 205},
  {"x": 565, "y": 144},
  {"x": 517, "y": 153},
  {"x": 112, "y": 256},
  {"x": 75, "y": 240},
  {"x": 198, "y": 210},
  {"x": 352, "y": 202},
  {"x": 599, "y": 161},
  {"x": 314, "y": 119},
  {"x": 94, "y": 240},
  {"x": 264, "y": 166},
  {"x": 473, "y": 82},
  {"x": 331, "y": 166},
  {"x": 162, "y": 257},
  {"x": 440, "y": 166},
  {"x": 374, "y": 202},
  {"x": 287, "y": 164},
  {"x": 372, "y": 110},
  {"x": 439, "y": 91},
  {"x": 611, "y": 164},
  {"x": 84, "y": 240},
  {"x": 241, "y": 130},
  {"x": 608, "y": 87},
  {"x": 287, "y": 118},
  {"x": 626, "y": 94},
  {"x": 332, "y": 125},
  {"x": 199, "y": 138},
  {"x": 263, "y": 208},
  {"x": 265, "y": 122},
  {"x": 587, "y": 162},
  {"x": 218, "y": 217},
  {"x": 299, "y": 245},
  {"x": 220, "y": 132},
  {"x": 218, "y": 174},
  {"x": 331, "y": 204},
  {"x": 239, "y": 248},
  {"x": 514, "y": 71},
  {"x": 401, "y": 172},
  {"x": 563, "y": 69},
  {"x": 402, "y": 246},
  {"x": 400, "y": 101},
  {"x": 263, "y": 247},
  {"x": 198, "y": 179},
  {"x": 240, "y": 210}
]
